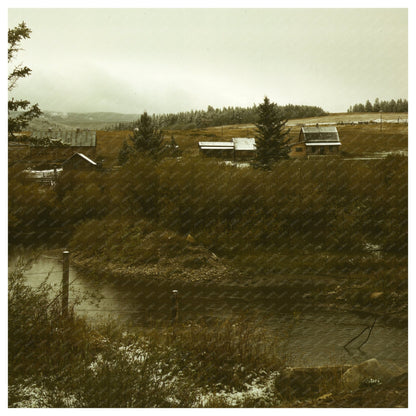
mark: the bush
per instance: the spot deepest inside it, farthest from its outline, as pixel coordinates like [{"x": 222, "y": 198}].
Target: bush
[
  {"x": 228, "y": 352},
  {"x": 40, "y": 339}
]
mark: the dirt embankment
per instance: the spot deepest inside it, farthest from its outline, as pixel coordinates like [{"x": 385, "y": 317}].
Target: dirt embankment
[{"x": 195, "y": 266}]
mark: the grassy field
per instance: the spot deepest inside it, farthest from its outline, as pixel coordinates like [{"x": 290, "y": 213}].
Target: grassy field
[
  {"x": 349, "y": 118},
  {"x": 369, "y": 139},
  {"x": 357, "y": 140},
  {"x": 109, "y": 144}
]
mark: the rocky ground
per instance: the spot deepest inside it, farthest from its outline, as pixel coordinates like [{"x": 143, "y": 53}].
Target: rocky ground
[{"x": 198, "y": 265}]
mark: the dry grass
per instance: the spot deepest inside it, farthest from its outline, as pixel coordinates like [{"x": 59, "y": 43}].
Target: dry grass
[
  {"x": 109, "y": 144},
  {"x": 349, "y": 117},
  {"x": 363, "y": 139},
  {"x": 356, "y": 139}
]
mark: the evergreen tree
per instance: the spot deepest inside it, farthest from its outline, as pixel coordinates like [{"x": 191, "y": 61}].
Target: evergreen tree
[
  {"x": 368, "y": 107},
  {"x": 376, "y": 106},
  {"x": 271, "y": 141},
  {"x": 392, "y": 106},
  {"x": 124, "y": 153},
  {"x": 147, "y": 138},
  {"x": 20, "y": 112}
]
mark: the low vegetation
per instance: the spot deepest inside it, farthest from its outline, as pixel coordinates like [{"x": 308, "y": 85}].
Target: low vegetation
[
  {"x": 328, "y": 205},
  {"x": 57, "y": 361},
  {"x": 322, "y": 217}
]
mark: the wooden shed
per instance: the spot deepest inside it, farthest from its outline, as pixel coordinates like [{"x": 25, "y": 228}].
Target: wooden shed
[
  {"x": 239, "y": 148},
  {"x": 217, "y": 149}
]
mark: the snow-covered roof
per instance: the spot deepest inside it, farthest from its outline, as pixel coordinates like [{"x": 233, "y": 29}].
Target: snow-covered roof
[
  {"x": 323, "y": 144},
  {"x": 244, "y": 143},
  {"x": 216, "y": 145},
  {"x": 82, "y": 156},
  {"x": 39, "y": 174},
  {"x": 87, "y": 158}
]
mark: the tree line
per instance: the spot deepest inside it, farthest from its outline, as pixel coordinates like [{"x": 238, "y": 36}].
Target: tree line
[
  {"x": 392, "y": 106},
  {"x": 221, "y": 117}
]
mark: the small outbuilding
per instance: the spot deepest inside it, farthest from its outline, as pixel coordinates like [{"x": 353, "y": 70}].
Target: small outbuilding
[
  {"x": 78, "y": 161},
  {"x": 314, "y": 141},
  {"x": 217, "y": 149},
  {"x": 238, "y": 148}
]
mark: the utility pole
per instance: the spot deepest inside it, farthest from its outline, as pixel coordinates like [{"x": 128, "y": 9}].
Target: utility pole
[
  {"x": 65, "y": 283},
  {"x": 381, "y": 120}
]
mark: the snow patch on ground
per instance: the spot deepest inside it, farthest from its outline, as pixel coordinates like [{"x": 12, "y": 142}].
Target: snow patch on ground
[
  {"x": 260, "y": 389},
  {"x": 34, "y": 396}
]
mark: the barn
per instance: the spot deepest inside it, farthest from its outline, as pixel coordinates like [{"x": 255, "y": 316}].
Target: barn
[
  {"x": 316, "y": 141},
  {"x": 67, "y": 142}
]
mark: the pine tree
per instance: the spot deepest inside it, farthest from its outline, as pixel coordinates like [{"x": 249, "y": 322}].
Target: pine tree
[
  {"x": 271, "y": 141},
  {"x": 124, "y": 153},
  {"x": 368, "y": 107},
  {"x": 20, "y": 112},
  {"x": 147, "y": 138},
  {"x": 376, "y": 105}
]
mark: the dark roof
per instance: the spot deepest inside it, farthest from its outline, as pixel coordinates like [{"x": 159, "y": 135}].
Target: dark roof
[
  {"x": 321, "y": 134},
  {"x": 85, "y": 138}
]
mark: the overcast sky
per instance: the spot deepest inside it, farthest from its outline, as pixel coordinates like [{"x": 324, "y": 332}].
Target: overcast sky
[{"x": 170, "y": 60}]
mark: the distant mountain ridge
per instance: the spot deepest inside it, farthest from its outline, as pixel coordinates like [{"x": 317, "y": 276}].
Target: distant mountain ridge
[{"x": 70, "y": 121}]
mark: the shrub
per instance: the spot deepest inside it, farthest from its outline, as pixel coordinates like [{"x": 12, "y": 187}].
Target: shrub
[
  {"x": 40, "y": 339},
  {"x": 226, "y": 352}
]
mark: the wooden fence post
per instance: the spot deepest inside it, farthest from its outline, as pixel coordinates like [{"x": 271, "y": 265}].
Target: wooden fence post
[
  {"x": 175, "y": 306},
  {"x": 65, "y": 283}
]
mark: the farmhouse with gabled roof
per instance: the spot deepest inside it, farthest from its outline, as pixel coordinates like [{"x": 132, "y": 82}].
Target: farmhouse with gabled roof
[{"x": 314, "y": 141}]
